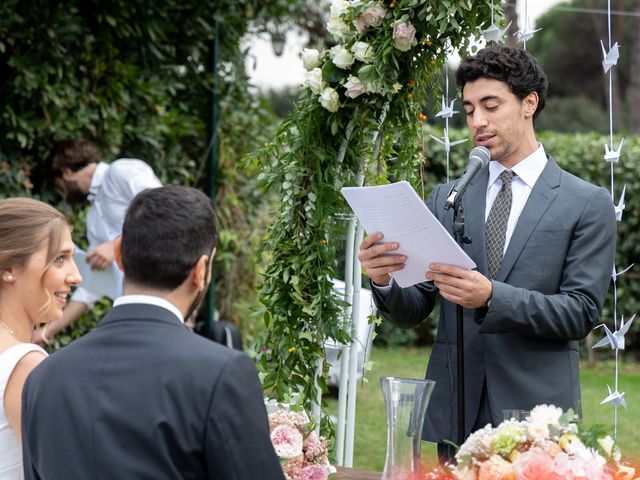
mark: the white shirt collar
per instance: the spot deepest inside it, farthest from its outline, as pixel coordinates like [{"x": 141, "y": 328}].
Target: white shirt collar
[
  {"x": 528, "y": 170},
  {"x": 149, "y": 300},
  {"x": 96, "y": 179}
]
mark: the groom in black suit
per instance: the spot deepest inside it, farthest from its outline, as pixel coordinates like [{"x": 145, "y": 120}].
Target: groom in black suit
[{"x": 141, "y": 397}]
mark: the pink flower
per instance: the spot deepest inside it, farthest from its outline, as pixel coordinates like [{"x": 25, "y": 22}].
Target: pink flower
[
  {"x": 287, "y": 441},
  {"x": 404, "y": 36},
  {"x": 371, "y": 17},
  {"x": 315, "y": 449},
  {"x": 582, "y": 468},
  {"x": 535, "y": 465},
  {"x": 293, "y": 469},
  {"x": 495, "y": 468},
  {"x": 315, "y": 472}
]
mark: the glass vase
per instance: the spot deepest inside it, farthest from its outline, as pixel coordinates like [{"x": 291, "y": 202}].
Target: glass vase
[{"x": 406, "y": 401}]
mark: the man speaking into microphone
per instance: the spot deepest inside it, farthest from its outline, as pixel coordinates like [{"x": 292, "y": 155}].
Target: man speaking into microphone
[{"x": 543, "y": 241}]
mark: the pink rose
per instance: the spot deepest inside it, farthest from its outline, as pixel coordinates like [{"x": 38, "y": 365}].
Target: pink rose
[
  {"x": 371, "y": 17},
  {"x": 315, "y": 472},
  {"x": 535, "y": 465},
  {"x": 404, "y": 36},
  {"x": 287, "y": 441}
]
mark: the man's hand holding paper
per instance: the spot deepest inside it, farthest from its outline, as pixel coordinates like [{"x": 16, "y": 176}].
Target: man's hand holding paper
[
  {"x": 378, "y": 260},
  {"x": 413, "y": 232}
]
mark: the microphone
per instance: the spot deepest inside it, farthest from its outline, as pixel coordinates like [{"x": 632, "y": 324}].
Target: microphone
[{"x": 478, "y": 158}]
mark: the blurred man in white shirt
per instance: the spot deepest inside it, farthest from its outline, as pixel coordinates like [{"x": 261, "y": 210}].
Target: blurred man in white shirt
[{"x": 109, "y": 189}]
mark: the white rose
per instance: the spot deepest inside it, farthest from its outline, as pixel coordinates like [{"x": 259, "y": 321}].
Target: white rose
[
  {"x": 329, "y": 99},
  {"x": 338, "y": 7},
  {"x": 341, "y": 57},
  {"x": 354, "y": 87},
  {"x": 314, "y": 81},
  {"x": 362, "y": 51},
  {"x": 397, "y": 87},
  {"x": 404, "y": 36},
  {"x": 310, "y": 58},
  {"x": 337, "y": 27}
]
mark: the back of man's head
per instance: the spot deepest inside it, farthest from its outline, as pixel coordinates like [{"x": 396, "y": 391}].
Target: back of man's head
[
  {"x": 166, "y": 230},
  {"x": 512, "y": 66},
  {"x": 74, "y": 154}
]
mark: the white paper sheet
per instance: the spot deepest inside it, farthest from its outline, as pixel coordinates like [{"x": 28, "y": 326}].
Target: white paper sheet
[
  {"x": 401, "y": 216},
  {"x": 107, "y": 283}
]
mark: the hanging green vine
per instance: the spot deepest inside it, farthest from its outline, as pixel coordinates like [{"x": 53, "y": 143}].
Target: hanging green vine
[{"x": 376, "y": 79}]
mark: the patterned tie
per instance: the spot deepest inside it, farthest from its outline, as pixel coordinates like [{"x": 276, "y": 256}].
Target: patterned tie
[{"x": 496, "y": 225}]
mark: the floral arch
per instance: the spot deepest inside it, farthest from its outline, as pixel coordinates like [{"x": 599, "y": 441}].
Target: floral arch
[{"x": 361, "y": 106}]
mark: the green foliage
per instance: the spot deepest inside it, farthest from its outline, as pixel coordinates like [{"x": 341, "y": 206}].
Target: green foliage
[
  {"x": 322, "y": 148},
  {"x": 568, "y": 47},
  {"x": 573, "y": 114},
  {"x": 136, "y": 78},
  {"x": 390, "y": 335}
]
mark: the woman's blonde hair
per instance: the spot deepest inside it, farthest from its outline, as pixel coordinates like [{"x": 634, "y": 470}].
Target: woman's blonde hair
[{"x": 26, "y": 225}]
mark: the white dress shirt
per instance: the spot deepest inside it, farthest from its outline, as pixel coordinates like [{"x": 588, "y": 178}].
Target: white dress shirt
[
  {"x": 149, "y": 300},
  {"x": 527, "y": 173},
  {"x": 112, "y": 188}
]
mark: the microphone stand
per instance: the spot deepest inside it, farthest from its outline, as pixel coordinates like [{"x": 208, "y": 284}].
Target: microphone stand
[{"x": 461, "y": 238}]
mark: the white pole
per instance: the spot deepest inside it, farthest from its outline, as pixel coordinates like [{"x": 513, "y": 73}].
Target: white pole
[
  {"x": 353, "y": 355},
  {"x": 317, "y": 412},
  {"x": 344, "y": 352}
]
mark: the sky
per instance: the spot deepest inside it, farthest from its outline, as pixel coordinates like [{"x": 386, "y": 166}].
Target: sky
[{"x": 271, "y": 72}]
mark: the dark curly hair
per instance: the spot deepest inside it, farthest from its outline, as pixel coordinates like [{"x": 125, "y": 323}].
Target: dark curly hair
[
  {"x": 74, "y": 154},
  {"x": 513, "y": 66}
]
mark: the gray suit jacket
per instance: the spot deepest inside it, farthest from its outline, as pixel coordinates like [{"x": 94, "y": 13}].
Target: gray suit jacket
[
  {"x": 547, "y": 295},
  {"x": 140, "y": 397}
]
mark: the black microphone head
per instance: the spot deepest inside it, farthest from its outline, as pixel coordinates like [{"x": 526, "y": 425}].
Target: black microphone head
[{"x": 480, "y": 154}]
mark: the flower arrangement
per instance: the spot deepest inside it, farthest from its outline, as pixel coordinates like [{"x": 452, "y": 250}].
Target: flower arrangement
[
  {"x": 549, "y": 445},
  {"x": 303, "y": 454},
  {"x": 360, "y": 106}
]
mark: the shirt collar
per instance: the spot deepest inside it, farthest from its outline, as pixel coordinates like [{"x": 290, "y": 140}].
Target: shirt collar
[
  {"x": 149, "y": 300},
  {"x": 528, "y": 170},
  {"x": 96, "y": 180}
]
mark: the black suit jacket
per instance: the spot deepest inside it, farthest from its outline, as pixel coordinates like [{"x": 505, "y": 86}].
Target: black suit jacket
[
  {"x": 140, "y": 397},
  {"x": 547, "y": 295}
]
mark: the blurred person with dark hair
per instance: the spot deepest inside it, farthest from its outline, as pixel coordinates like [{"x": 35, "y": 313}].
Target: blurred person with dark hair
[
  {"x": 109, "y": 188},
  {"x": 140, "y": 396}
]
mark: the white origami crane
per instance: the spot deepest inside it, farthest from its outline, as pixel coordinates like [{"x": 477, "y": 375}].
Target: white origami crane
[
  {"x": 620, "y": 206},
  {"x": 526, "y": 34},
  {"x": 445, "y": 141},
  {"x": 615, "y": 339},
  {"x": 616, "y": 398},
  {"x": 446, "y": 111},
  {"x": 494, "y": 33},
  {"x": 610, "y": 58},
  {"x": 611, "y": 154},
  {"x": 616, "y": 274}
]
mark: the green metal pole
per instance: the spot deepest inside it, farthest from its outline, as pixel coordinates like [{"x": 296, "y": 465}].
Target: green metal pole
[{"x": 212, "y": 168}]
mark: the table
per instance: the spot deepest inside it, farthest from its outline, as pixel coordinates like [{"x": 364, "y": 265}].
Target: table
[{"x": 344, "y": 473}]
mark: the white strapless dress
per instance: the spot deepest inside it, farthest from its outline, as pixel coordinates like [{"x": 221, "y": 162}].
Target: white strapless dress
[{"x": 10, "y": 449}]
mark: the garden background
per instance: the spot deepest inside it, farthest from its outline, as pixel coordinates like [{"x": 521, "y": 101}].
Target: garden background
[{"x": 142, "y": 80}]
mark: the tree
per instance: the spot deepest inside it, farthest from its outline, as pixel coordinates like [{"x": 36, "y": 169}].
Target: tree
[
  {"x": 135, "y": 77},
  {"x": 568, "y": 46}
]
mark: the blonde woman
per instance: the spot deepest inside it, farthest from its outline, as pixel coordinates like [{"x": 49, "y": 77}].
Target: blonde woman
[{"x": 37, "y": 273}]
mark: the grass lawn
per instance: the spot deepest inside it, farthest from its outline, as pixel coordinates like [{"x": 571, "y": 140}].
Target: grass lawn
[{"x": 370, "y": 435}]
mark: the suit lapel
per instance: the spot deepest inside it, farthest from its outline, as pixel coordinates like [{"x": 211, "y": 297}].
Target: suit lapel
[
  {"x": 542, "y": 196},
  {"x": 474, "y": 201}
]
